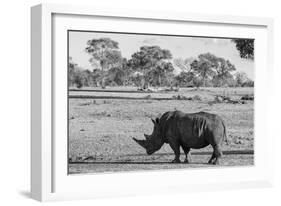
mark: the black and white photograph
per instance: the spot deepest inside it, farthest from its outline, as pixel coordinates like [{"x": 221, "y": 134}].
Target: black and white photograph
[{"x": 139, "y": 101}]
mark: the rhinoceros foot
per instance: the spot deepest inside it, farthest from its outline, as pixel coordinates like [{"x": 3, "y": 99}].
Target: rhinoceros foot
[
  {"x": 214, "y": 161},
  {"x": 176, "y": 161}
]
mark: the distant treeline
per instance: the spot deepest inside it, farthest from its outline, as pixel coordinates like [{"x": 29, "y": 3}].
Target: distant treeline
[{"x": 152, "y": 66}]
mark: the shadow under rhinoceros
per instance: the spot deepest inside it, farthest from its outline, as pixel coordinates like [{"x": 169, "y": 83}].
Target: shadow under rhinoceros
[
  {"x": 136, "y": 162},
  {"x": 127, "y": 161},
  {"x": 225, "y": 152}
]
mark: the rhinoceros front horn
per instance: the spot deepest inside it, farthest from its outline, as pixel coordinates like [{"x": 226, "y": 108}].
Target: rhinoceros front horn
[{"x": 140, "y": 142}]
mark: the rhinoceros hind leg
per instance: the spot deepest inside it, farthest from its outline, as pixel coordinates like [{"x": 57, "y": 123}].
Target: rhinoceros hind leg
[
  {"x": 217, "y": 154},
  {"x": 211, "y": 160}
]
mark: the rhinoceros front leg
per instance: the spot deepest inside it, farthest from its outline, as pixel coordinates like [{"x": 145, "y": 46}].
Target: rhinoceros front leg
[
  {"x": 176, "y": 148},
  {"x": 187, "y": 155}
]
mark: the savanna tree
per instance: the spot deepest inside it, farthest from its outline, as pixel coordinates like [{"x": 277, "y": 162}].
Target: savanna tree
[
  {"x": 183, "y": 64},
  {"x": 242, "y": 80},
  {"x": 185, "y": 79},
  {"x": 160, "y": 74},
  {"x": 74, "y": 74},
  {"x": 245, "y": 48},
  {"x": 203, "y": 67},
  {"x": 150, "y": 60},
  {"x": 223, "y": 69},
  {"x": 104, "y": 51},
  {"x": 210, "y": 68}
]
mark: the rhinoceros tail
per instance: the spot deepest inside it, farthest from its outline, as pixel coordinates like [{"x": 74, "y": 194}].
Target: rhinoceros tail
[{"x": 225, "y": 134}]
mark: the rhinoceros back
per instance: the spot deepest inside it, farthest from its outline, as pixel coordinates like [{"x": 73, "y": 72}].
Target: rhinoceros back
[{"x": 196, "y": 130}]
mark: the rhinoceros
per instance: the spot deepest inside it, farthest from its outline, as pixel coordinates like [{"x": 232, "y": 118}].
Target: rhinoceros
[{"x": 186, "y": 130}]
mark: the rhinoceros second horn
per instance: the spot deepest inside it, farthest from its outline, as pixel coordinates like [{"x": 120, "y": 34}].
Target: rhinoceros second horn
[{"x": 146, "y": 136}]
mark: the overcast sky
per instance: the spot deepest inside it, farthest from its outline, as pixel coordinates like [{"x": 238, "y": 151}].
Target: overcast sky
[{"x": 180, "y": 47}]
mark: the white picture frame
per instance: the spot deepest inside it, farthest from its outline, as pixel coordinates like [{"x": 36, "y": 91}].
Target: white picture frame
[{"x": 49, "y": 179}]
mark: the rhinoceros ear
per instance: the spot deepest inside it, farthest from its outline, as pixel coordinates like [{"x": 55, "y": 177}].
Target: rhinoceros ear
[
  {"x": 140, "y": 142},
  {"x": 153, "y": 121}
]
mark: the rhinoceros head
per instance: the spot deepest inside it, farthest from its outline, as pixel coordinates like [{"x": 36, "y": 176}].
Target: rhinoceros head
[{"x": 152, "y": 142}]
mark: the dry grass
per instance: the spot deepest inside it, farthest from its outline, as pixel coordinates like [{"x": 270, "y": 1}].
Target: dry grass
[{"x": 101, "y": 130}]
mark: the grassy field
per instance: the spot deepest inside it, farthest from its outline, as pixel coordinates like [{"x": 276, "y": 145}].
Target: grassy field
[{"x": 101, "y": 128}]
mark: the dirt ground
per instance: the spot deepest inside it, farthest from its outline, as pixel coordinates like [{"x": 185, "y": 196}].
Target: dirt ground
[{"x": 101, "y": 130}]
